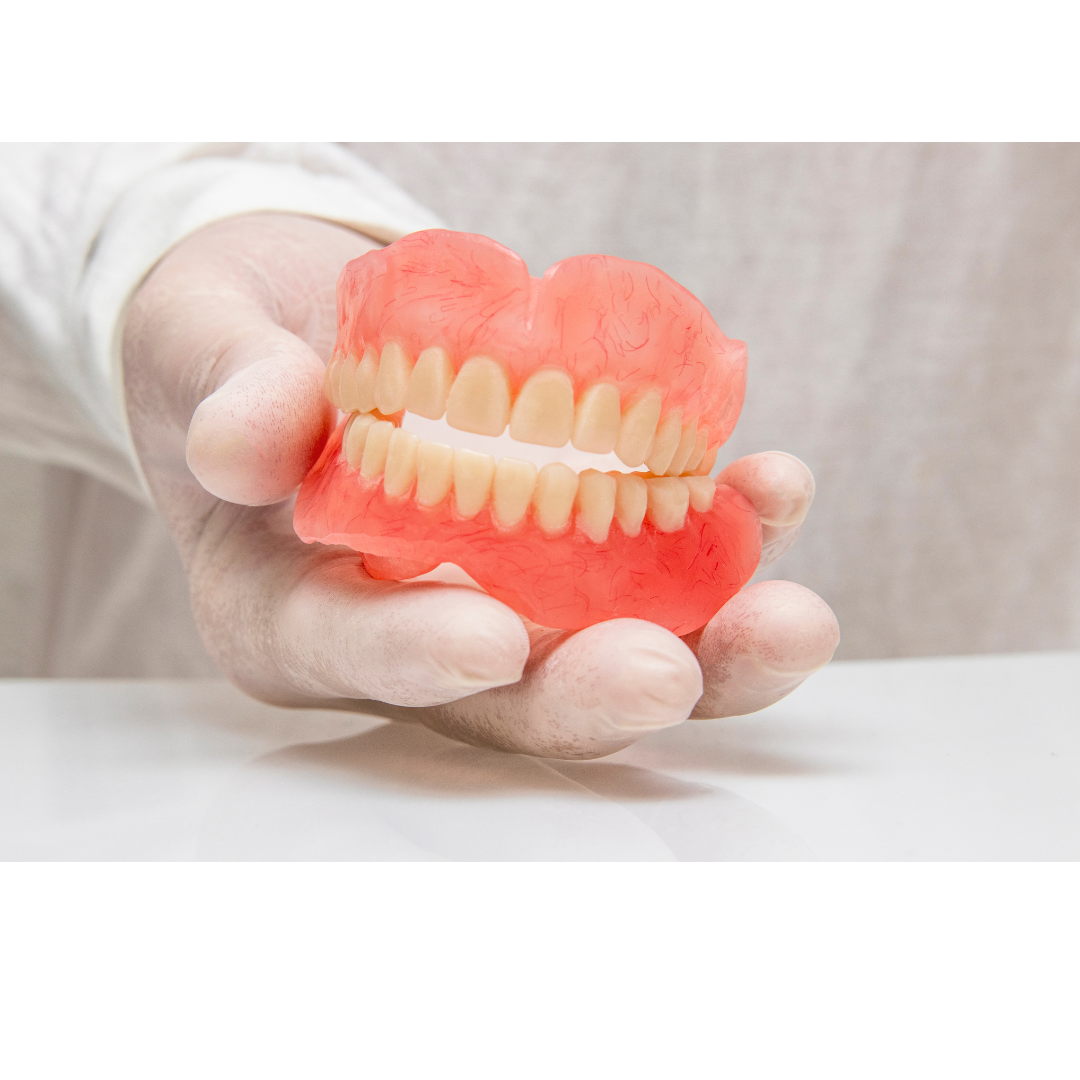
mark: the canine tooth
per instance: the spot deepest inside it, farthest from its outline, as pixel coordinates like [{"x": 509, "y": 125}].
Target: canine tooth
[
  {"x": 367, "y": 374},
  {"x": 330, "y": 379},
  {"x": 702, "y": 492},
  {"x": 355, "y": 436},
  {"x": 596, "y": 504},
  {"x": 472, "y": 481},
  {"x": 631, "y": 500},
  {"x": 668, "y": 437},
  {"x": 597, "y": 418},
  {"x": 637, "y": 429},
  {"x": 400, "y": 463},
  {"x": 375, "y": 446},
  {"x": 699, "y": 450},
  {"x": 392, "y": 385},
  {"x": 544, "y": 410},
  {"x": 480, "y": 398},
  {"x": 707, "y": 462},
  {"x": 434, "y": 473},
  {"x": 684, "y": 449},
  {"x": 512, "y": 490},
  {"x": 669, "y": 499},
  {"x": 346, "y": 383},
  {"x": 430, "y": 384},
  {"x": 553, "y": 499}
]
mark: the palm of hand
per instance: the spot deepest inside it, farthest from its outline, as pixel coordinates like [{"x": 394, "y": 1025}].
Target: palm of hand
[{"x": 224, "y": 353}]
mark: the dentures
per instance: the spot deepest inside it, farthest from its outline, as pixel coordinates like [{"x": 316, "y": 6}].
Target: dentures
[{"x": 445, "y": 333}]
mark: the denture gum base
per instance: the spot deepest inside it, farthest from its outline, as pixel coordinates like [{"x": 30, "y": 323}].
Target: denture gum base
[{"x": 610, "y": 357}]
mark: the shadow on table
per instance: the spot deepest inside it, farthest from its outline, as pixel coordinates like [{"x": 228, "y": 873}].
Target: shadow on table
[{"x": 401, "y": 792}]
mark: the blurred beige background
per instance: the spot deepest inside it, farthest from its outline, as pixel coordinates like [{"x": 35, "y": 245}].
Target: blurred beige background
[{"x": 913, "y": 318}]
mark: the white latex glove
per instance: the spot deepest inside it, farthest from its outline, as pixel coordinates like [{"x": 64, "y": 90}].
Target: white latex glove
[{"x": 224, "y": 350}]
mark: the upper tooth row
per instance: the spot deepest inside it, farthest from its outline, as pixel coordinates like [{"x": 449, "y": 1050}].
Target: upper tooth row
[
  {"x": 478, "y": 399},
  {"x": 379, "y": 448}
]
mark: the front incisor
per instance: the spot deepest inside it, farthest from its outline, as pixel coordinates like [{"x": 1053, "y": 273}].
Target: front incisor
[
  {"x": 553, "y": 499},
  {"x": 400, "y": 463},
  {"x": 434, "y": 473},
  {"x": 512, "y": 490},
  {"x": 330, "y": 388},
  {"x": 597, "y": 419},
  {"x": 473, "y": 474},
  {"x": 631, "y": 501},
  {"x": 544, "y": 411},
  {"x": 637, "y": 429},
  {"x": 702, "y": 492},
  {"x": 480, "y": 398},
  {"x": 669, "y": 499},
  {"x": 365, "y": 378},
  {"x": 684, "y": 449},
  {"x": 392, "y": 385},
  {"x": 596, "y": 504},
  {"x": 376, "y": 446},
  {"x": 668, "y": 437},
  {"x": 429, "y": 385},
  {"x": 355, "y": 436}
]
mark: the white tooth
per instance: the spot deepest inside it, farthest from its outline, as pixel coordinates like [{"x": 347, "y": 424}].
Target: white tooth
[
  {"x": 346, "y": 383},
  {"x": 355, "y": 436},
  {"x": 473, "y": 474},
  {"x": 544, "y": 410},
  {"x": 631, "y": 500},
  {"x": 596, "y": 504},
  {"x": 434, "y": 473},
  {"x": 597, "y": 419},
  {"x": 392, "y": 386},
  {"x": 668, "y": 437},
  {"x": 480, "y": 398},
  {"x": 683, "y": 451},
  {"x": 429, "y": 386},
  {"x": 375, "y": 446},
  {"x": 708, "y": 461},
  {"x": 331, "y": 377},
  {"x": 512, "y": 490},
  {"x": 637, "y": 429},
  {"x": 400, "y": 463},
  {"x": 669, "y": 499},
  {"x": 553, "y": 499},
  {"x": 700, "y": 445},
  {"x": 702, "y": 492},
  {"x": 367, "y": 374}
]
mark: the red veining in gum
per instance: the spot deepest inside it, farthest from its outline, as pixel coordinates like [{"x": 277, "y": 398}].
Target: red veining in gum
[{"x": 598, "y": 318}]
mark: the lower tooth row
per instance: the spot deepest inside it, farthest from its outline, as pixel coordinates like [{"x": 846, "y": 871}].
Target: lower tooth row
[{"x": 379, "y": 448}]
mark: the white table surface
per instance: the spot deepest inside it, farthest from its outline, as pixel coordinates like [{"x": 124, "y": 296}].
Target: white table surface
[{"x": 947, "y": 758}]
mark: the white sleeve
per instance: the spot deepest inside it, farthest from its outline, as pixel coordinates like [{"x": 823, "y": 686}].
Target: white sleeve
[{"x": 80, "y": 227}]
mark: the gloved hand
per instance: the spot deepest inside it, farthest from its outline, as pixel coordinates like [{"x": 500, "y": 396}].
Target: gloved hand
[{"x": 224, "y": 351}]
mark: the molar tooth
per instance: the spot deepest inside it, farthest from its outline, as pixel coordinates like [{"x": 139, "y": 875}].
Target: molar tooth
[
  {"x": 699, "y": 450},
  {"x": 473, "y": 474},
  {"x": 355, "y": 436},
  {"x": 480, "y": 398},
  {"x": 631, "y": 500},
  {"x": 346, "y": 383},
  {"x": 434, "y": 473},
  {"x": 430, "y": 384},
  {"x": 375, "y": 446},
  {"x": 400, "y": 463},
  {"x": 512, "y": 490},
  {"x": 685, "y": 448},
  {"x": 596, "y": 504},
  {"x": 392, "y": 386},
  {"x": 367, "y": 374},
  {"x": 331, "y": 377},
  {"x": 637, "y": 429},
  {"x": 553, "y": 499},
  {"x": 669, "y": 499},
  {"x": 668, "y": 437},
  {"x": 544, "y": 410},
  {"x": 597, "y": 419},
  {"x": 707, "y": 462},
  {"x": 702, "y": 492}
]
